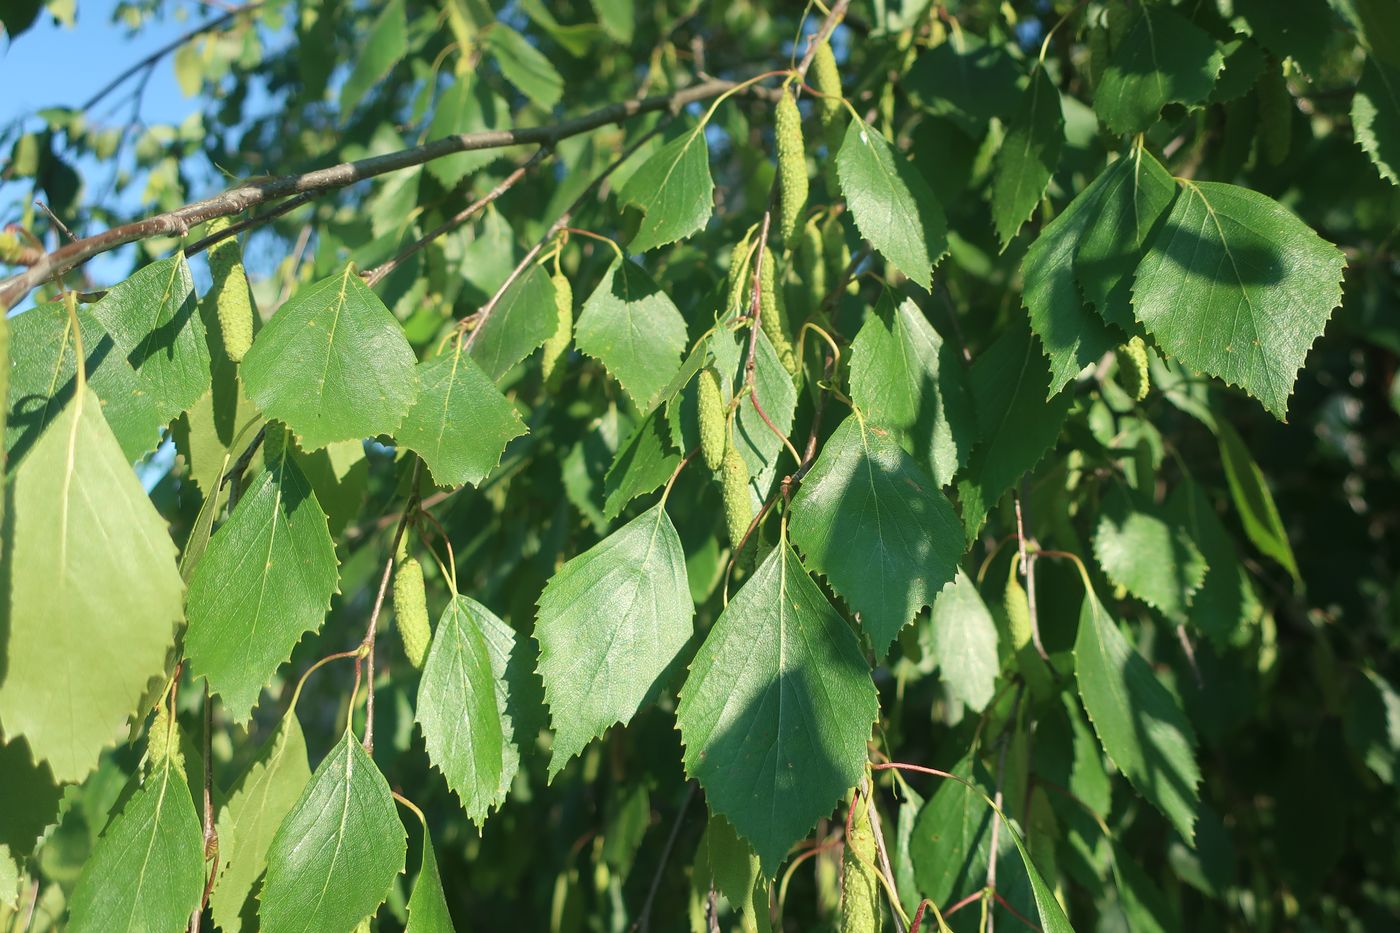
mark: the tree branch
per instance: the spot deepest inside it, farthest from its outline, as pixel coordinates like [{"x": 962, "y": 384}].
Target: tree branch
[{"x": 242, "y": 197}]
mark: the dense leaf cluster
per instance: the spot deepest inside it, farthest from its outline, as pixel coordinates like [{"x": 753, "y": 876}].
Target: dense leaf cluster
[{"x": 926, "y": 475}]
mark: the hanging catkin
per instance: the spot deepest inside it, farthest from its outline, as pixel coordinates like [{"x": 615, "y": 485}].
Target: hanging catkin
[
  {"x": 232, "y": 300},
  {"x": 411, "y": 611},
  {"x": 792, "y": 167}
]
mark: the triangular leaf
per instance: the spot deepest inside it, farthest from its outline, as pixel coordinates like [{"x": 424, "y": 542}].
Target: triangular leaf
[
  {"x": 777, "y": 708},
  {"x": 634, "y": 329},
  {"x": 249, "y": 820},
  {"x": 963, "y": 639},
  {"x": 1253, "y": 500},
  {"x": 610, "y": 624},
  {"x": 83, "y": 543},
  {"x": 1237, "y": 286},
  {"x": 464, "y": 705},
  {"x": 674, "y": 189},
  {"x": 868, "y": 519},
  {"x": 891, "y": 203},
  {"x": 337, "y": 852},
  {"x": 1139, "y": 723},
  {"x": 265, "y": 580},
  {"x": 904, "y": 376},
  {"x": 525, "y": 66},
  {"x": 153, "y": 318},
  {"x": 460, "y": 423},
  {"x": 1147, "y": 555},
  {"x": 427, "y": 906},
  {"x": 643, "y": 462},
  {"x": 1226, "y": 599},
  {"x": 383, "y": 46},
  {"x": 1163, "y": 58},
  {"x": 147, "y": 870},
  {"x": 333, "y": 364},
  {"x": 1028, "y": 156}
]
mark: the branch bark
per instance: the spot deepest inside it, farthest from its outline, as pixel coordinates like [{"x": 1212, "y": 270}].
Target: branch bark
[{"x": 238, "y": 199}]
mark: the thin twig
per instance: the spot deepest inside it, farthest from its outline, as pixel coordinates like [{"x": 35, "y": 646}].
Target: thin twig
[
  {"x": 238, "y": 227},
  {"x": 643, "y": 922},
  {"x": 376, "y": 275},
  {"x": 1028, "y": 571},
  {"x": 211, "y": 835}
]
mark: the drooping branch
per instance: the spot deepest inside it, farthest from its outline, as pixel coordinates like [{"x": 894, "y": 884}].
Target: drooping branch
[{"x": 238, "y": 199}]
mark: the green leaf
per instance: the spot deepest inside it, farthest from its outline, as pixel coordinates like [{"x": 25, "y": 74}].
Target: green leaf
[
  {"x": 643, "y": 462},
  {"x": 427, "y": 906},
  {"x": 617, "y": 17},
  {"x": 257, "y": 804},
  {"x": 1226, "y": 599},
  {"x": 31, "y": 798},
  {"x": 1139, "y": 723},
  {"x": 1028, "y": 156},
  {"x": 154, "y": 319},
  {"x": 1143, "y": 552},
  {"x": 379, "y": 51},
  {"x": 891, "y": 203},
  {"x": 869, "y": 520},
  {"x": 610, "y": 624},
  {"x": 966, "y": 79},
  {"x": 1244, "y": 63},
  {"x": 42, "y": 381},
  {"x": 460, "y": 423},
  {"x": 466, "y": 106},
  {"x": 728, "y": 861},
  {"x": 265, "y": 580},
  {"x": 1253, "y": 500},
  {"x": 904, "y": 376},
  {"x": 339, "y": 849},
  {"x": 1135, "y": 195},
  {"x": 465, "y": 699},
  {"x": 633, "y": 328},
  {"x": 777, "y": 709},
  {"x": 333, "y": 364},
  {"x": 1073, "y": 337},
  {"x": 83, "y": 543},
  {"x": 147, "y": 870},
  {"x": 951, "y": 836},
  {"x": 673, "y": 189},
  {"x": 1372, "y": 724},
  {"x": 963, "y": 639},
  {"x": 1235, "y": 285},
  {"x": 1164, "y": 58},
  {"x": 522, "y": 321},
  {"x": 1300, "y": 29},
  {"x": 525, "y": 66},
  {"x": 1018, "y": 423},
  {"x": 1375, "y": 117}
]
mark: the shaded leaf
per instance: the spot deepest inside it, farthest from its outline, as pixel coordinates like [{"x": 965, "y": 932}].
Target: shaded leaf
[
  {"x": 1143, "y": 552},
  {"x": 643, "y": 462},
  {"x": 525, "y": 66},
  {"x": 1235, "y": 285},
  {"x": 777, "y": 709},
  {"x": 904, "y": 376},
  {"x": 1253, "y": 500},
  {"x": 1375, "y": 117},
  {"x": 966, "y": 79},
  {"x": 522, "y": 321},
  {"x": 1139, "y": 723},
  {"x": 869, "y": 520},
  {"x": 963, "y": 639},
  {"x": 1028, "y": 156},
  {"x": 1163, "y": 58}
]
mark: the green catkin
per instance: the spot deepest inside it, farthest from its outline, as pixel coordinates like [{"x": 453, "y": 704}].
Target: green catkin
[
  {"x": 826, "y": 80},
  {"x": 1132, "y": 369},
  {"x": 792, "y": 167},
  {"x": 711, "y": 416},
  {"x": 773, "y": 316},
  {"x": 811, "y": 262},
  {"x": 736, "y": 281},
  {"x": 860, "y": 889},
  {"x": 232, "y": 300},
  {"x": 411, "y": 611},
  {"x": 738, "y": 507},
  {"x": 557, "y": 345}
]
